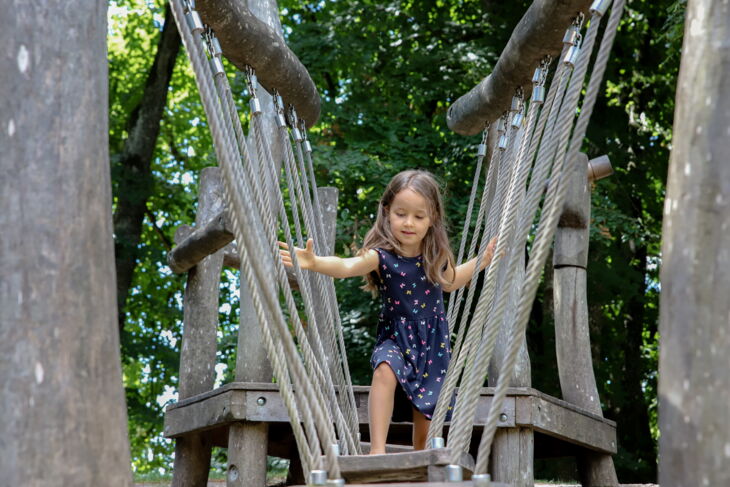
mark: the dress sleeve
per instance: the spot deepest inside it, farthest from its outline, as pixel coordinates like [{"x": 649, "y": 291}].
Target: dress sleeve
[{"x": 382, "y": 265}]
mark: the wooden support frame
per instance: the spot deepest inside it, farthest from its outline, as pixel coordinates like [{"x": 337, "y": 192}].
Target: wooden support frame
[
  {"x": 523, "y": 407},
  {"x": 539, "y": 33}
]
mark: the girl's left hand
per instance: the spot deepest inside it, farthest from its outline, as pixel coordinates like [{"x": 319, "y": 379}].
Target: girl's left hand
[{"x": 489, "y": 253}]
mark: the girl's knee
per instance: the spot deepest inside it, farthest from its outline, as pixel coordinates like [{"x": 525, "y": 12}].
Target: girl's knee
[{"x": 384, "y": 374}]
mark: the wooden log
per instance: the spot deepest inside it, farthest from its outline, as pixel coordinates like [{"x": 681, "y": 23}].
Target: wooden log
[
  {"x": 249, "y": 41},
  {"x": 62, "y": 406},
  {"x": 199, "y": 344},
  {"x": 539, "y": 33},
  {"x": 694, "y": 352},
  {"x": 572, "y": 338},
  {"x": 194, "y": 246}
]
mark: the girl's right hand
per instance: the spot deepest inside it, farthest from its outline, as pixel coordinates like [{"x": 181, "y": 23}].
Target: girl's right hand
[{"x": 305, "y": 256}]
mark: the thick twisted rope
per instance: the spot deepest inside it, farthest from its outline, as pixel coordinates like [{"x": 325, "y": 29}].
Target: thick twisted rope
[
  {"x": 545, "y": 233},
  {"x": 465, "y": 331},
  {"x": 255, "y": 269},
  {"x": 346, "y": 435},
  {"x": 333, "y": 326},
  {"x": 453, "y": 307}
]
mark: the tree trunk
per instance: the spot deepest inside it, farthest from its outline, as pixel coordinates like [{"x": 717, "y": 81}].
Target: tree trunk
[
  {"x": 62, "y": 415},
  {"x": 133, "y": 172},
  {"x": 694, "y": 384}
]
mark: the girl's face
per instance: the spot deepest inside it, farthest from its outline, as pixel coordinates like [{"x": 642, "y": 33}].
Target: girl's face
[{"x": 410, "y": 219}]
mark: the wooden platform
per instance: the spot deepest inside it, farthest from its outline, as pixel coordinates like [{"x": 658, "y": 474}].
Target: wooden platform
[{"x": 561, "y": 428}]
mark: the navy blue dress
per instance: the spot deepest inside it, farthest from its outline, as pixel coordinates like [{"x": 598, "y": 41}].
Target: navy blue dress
[{"x": 413, "y": 335}]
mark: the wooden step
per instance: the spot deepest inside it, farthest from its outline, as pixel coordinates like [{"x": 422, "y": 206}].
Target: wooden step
[
  {"x": 414, "y": 466},
  {"x": 214, "y": 411},
  {"x": 467, "y": 483}
]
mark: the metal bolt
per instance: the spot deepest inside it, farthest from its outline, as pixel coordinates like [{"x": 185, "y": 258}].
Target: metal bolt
[
  {"x": 317, "y": 477},
  {"x": 454, "y": 473},
  {"x": 538, "y": 94},
  {"x": 261, "y": 401},
  {"x": 480, "y": 480},
  {"x": 572, "y": 56},
  {"x": 599, "y": 7},
  {"x": 502, "y": 143},
  {"x": 437, "y": 442},
  {"x": 255, "y": 106},
  {"x": 232, "y": 473},
  {"x": 503, "y": 417}
]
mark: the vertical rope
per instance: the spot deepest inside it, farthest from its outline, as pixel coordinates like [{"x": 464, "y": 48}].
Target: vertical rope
[{"x": 545, "y": 233}]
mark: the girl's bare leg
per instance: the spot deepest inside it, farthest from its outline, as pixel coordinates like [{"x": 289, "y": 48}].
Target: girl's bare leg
[
  {"x": 380, "y": 406},
  {"x": 420, "y": 430}
]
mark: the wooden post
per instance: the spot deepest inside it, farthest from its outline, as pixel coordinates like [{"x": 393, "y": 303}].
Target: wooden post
[
  {"x": 694, "y": 317},
  {"x": 199, "y": 345},
  {"x": 513, "y": 449},
  {"x": 572, "y": 339},
  {"x": 248, "y": 442},
  {"x": 62, "y": 408}
]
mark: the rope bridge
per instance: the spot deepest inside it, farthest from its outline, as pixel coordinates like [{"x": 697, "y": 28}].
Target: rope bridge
[{"x": 536, "y": 142}]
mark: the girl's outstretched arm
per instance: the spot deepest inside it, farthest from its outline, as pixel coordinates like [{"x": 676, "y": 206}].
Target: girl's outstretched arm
[
  {"x": 330, "y": 265},
  {"x": 463, "y": 273}
]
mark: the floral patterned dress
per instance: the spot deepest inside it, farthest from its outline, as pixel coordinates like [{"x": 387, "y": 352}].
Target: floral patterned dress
[{"x": 413, "y": 335}]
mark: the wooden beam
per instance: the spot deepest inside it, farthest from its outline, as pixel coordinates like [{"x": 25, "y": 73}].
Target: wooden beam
[
  {"x": 248, "y": 41},
  {"x": 63, "y": 419},
  {"x": 539, "y": 33},
  {"x": 694, "y": 313},
  {"x": 194, "y": 245}
]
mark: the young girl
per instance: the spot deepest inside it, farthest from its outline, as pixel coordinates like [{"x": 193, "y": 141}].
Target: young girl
[{"x": 407, "y": 259}]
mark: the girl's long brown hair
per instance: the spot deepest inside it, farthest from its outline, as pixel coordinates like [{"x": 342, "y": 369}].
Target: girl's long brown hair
[{"x": 436, "y": 250}]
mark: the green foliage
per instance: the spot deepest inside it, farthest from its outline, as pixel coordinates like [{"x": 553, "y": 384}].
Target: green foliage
[{"x": 387, "y": 72}]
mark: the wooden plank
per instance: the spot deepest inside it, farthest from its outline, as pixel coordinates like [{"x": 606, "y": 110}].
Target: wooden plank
[
  {"x": 394, "y": 467},
  {"x": 539, "y": 33},
  {"x": 694, "y": 351},
  {"x": 581, "y": 429},
  {"x": 63, "y": 419}
]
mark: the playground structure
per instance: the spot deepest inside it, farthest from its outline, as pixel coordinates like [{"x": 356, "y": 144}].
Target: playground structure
[{"x": 45, "y": 383}]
